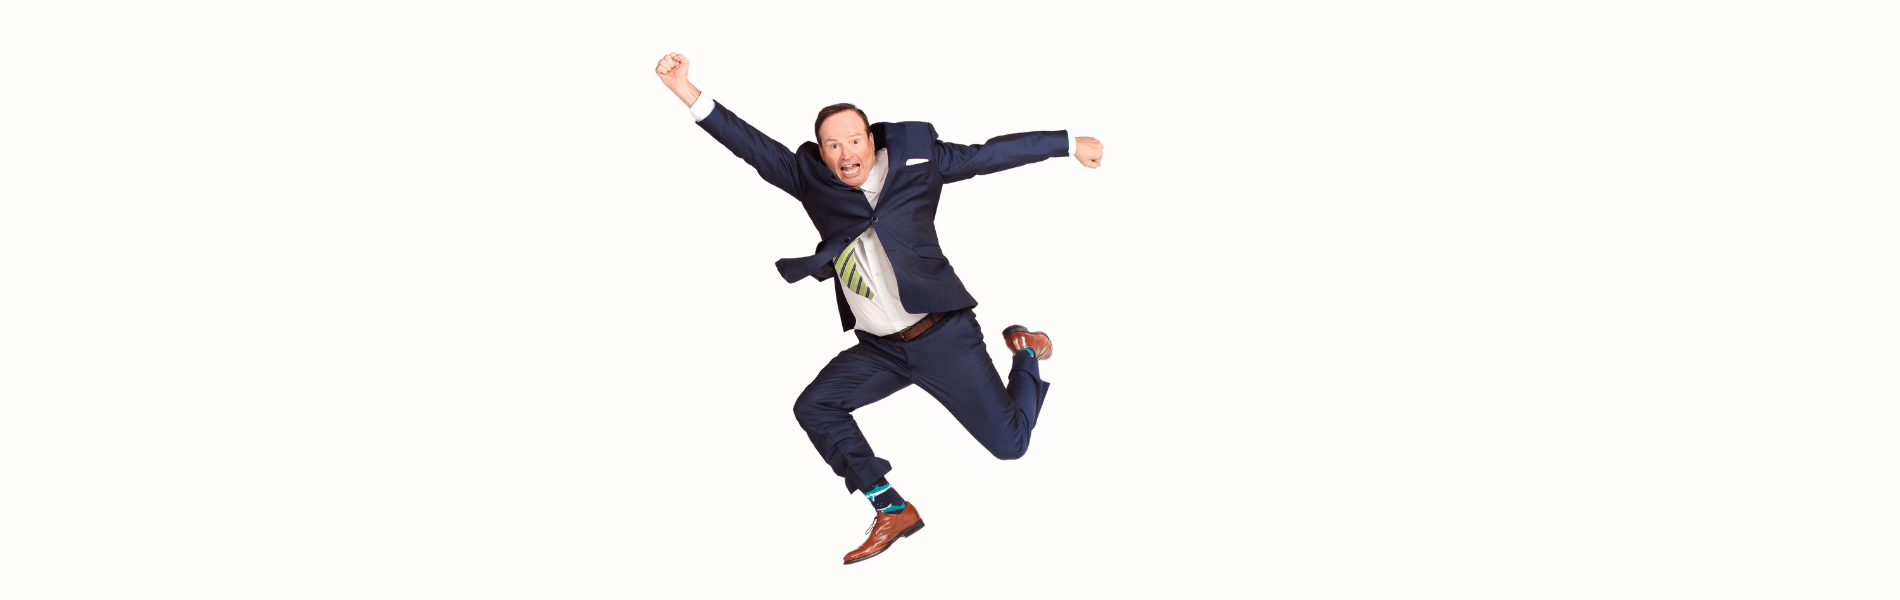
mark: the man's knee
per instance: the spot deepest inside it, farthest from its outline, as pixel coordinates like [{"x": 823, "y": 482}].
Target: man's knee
[
  {"x": 810, "y": 410},
  {"x": 1010, "y": 451},
  {"x": 806, "y": 413}
]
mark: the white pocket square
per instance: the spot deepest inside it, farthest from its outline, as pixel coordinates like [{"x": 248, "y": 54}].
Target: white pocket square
[{"x": 916, "y": 161}]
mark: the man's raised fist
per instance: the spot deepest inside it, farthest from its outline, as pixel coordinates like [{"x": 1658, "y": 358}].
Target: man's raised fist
[{"x": 672, "y": 69}]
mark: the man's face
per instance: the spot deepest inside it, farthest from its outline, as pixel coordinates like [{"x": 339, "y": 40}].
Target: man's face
[{"x": 847, "y": 147}]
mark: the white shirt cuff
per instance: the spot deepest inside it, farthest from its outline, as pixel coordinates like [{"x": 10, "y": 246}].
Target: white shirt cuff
[
  {"x": 703, "y": 106},
  {"x": 1071, "y": 143}
]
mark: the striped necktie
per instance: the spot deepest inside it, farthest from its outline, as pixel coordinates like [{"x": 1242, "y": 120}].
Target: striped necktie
[{"x": 849, "y": 275}]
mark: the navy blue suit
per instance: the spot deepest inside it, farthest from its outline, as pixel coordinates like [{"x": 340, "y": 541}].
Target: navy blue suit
[{"x": 950, "y": 360}]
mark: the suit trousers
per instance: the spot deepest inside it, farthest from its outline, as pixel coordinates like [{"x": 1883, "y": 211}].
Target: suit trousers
[{"x": 951, "y": 363}]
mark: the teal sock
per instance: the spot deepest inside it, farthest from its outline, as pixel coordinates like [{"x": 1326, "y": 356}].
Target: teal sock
[{"x": 885, "y": 498}]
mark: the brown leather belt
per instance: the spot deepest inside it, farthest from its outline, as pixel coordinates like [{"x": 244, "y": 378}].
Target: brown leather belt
[{"x": 916, "y": 329}]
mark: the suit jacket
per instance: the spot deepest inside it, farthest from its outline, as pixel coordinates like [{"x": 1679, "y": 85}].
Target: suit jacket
[{"x": 906, "y": 208}]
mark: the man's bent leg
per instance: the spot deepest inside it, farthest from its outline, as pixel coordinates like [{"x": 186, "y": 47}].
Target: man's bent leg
[
  {"x": 954, "y": 365},
  {"x": 856, "y": 377}
]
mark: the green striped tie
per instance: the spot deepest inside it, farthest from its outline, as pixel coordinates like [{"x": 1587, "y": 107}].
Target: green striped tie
[{"x": 849, "y": 274}]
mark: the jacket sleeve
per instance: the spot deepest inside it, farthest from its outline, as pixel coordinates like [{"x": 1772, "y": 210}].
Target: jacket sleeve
[
  {"x": 958, "y": 162},
  {"x": 775, "y": 164}
]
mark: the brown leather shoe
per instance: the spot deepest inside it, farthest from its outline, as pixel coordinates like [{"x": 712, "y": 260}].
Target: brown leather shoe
[
  {"x": 885, "y": 531},
  {"x": 1019, "y": 337}
]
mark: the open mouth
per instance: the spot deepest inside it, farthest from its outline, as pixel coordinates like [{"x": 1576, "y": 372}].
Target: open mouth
[{"x": 850, "y": 170}]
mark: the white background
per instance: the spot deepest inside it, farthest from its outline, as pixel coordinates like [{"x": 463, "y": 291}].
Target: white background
[{"x": 1369, "y": 300}]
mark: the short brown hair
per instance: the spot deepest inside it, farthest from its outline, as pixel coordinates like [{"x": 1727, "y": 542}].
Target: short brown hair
[{"x": 835, "y": 109}]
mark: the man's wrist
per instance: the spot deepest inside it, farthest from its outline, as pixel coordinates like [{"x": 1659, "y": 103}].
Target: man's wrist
[{"x": 686, "y": 93}]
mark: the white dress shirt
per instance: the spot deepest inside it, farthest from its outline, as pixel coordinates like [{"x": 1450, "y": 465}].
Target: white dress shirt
[{"x": 885, "y": 314}]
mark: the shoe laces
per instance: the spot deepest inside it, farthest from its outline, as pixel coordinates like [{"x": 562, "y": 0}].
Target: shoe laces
[{"x": 867, "y": 530}]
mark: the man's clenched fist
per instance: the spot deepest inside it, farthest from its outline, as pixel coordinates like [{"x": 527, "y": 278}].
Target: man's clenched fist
[
  {"x": 672, "y": 72},
  {"x": 1089, "y": 151},
  {"x": 672, "y": 69}
]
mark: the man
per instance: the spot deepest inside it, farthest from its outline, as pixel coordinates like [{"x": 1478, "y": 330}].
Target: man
[{"x": 871, "y": 191}]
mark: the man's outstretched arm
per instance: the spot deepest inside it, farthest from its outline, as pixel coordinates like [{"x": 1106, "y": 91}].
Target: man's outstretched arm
[
  {"x": 775, "y": 164},
  {"x": 958, "y": 162}
]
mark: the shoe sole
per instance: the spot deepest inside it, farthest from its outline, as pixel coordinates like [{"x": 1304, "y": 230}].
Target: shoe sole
[
  {"x": 913, "y": 529},
  {"x": 1015, "y": 328}
]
